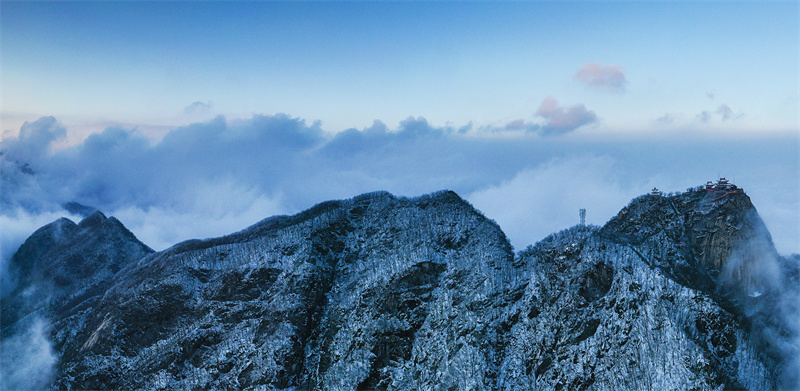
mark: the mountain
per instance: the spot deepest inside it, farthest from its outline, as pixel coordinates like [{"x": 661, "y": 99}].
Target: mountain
[
  {"x": 683, "y": 291},
  {"x": 64, "y": 267}
]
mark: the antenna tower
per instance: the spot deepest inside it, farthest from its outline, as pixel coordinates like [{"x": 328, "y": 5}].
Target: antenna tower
[{"x": 583, "y": 216}]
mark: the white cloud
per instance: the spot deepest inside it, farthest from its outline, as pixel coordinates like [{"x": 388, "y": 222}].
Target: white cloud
[
  {"x": 545, "y": 199},
  {"x": 666, "y": 119},
  {"x": 217, "y": 209},
  {"x": 724, "y": 112},
  {"x": 703, "y": 116},
  {"x": 596, "y": 75},
  {"x": 198, "y": 107},
  {"x": 218, "y": 176},
  {"x": 27, "y": 357},
  {"x": 560, "y": 119}
]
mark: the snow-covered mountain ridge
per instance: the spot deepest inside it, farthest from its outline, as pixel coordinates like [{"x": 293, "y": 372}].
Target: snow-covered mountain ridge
[{"x": 682, "y": 291}]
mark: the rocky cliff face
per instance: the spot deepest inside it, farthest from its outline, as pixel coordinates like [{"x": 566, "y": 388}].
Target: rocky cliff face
[
  {"x": 715, "y": 242},
  {"x": 63, "y": 267},
  {"x": 675, "y": 292},
  {"x": 380, "y": 292}
]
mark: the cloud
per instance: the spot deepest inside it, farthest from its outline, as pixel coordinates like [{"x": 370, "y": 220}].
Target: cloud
[
  {"x": 369, "y": 140},
  {"x": 776, "y": 320},
  {"x": 609, "y": 78},
  {"x": 198, "y": 107},
  {"x": 522, "y": 125},
  {"x": 34, "y": 140},
  {"x": 27, "y": 357},
  {"x": 418, "y": 127},
  {"x": 725, "y": 112},
  {"x": 547, "y": 197},
  {"x": 224, "y": 207},
  {"x": 214, "y": 177},
  {"x": 560, "y": 120},
  {"x": 353, "y": 141},
  {"x": 516, "y": 124},
  {"x": 666, "y": 119}
]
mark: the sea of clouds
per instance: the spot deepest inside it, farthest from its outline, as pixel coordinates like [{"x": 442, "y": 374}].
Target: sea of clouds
[
  {"x": 220, "y": 176},
  {"x": 216, "y": 177}
]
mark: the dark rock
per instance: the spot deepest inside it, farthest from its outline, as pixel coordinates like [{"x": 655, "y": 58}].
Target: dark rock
[
  {"x": 384, "y": 292},
  {"x": 63, "y": 267},
  {"x": 78, "y": 209}
]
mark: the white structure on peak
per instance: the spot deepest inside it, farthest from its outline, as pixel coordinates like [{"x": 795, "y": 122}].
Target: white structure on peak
[{"x": 725, "y": 185}]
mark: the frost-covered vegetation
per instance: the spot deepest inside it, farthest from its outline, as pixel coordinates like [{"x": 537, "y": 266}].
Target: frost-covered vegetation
[{"x": 383, "y": 292}]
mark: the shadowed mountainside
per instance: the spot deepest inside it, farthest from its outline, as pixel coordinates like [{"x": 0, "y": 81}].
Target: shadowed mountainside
[{"x": 381, "y": 292}]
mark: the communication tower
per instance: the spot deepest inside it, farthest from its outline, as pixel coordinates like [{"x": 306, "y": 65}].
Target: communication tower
[{"x": 583, "y": 216}]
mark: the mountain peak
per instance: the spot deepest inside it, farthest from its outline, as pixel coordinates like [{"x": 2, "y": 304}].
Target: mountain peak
[
  {"x": 701, "y": 230},
  {"x": 93, "y": 220},
  {"x": 387, "y": 292},
  {"x": 78, "y": 209},
  {"x": 63, "y": 259}
]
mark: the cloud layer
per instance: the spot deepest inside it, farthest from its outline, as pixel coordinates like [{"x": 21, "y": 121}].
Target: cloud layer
[
  {"x": 218, "y": 176},
  {"x": 27, "y": 358},
  {"x": 563, "y": 182}
]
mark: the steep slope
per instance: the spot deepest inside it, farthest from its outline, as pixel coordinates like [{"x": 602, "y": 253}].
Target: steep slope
[
  {"x": 656, "y": 300},
  {"x": 62, "y": 267},
  {"x": 355, "y": 294},
  {"x": 378, "y": 292},
  {"x": 714, "y": 241},
  {"x": 704, "y": 239}
]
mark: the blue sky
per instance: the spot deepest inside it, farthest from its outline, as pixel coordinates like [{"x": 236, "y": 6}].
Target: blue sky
[
  {"x": 350, "y": 63},
  {"x": 169, "y": 113}
]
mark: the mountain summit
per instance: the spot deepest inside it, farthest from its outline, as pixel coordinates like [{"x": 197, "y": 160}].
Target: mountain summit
[
  {"x": 683, "y": 291},
  {"x": 63, "y": 266}
]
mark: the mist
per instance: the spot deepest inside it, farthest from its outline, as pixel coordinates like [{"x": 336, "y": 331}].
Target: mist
[
  {"x": 212, "y": 178},
  {"x": 27, "y": 357},
  {"x": 216, "y": 177},
  {"x": 17, "y": 225},
  {"x": 766, "y": 288}
]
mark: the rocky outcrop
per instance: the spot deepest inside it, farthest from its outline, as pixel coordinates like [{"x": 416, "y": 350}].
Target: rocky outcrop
[
  {"x": 706, "y": 240},
  {"x": 383, "y": 292},
  {"x": 367, "y": 293},
  {"x": 63, "y": 267},
  {"x": 595, "y": 316},
  {"x": 715, "y": 242}
]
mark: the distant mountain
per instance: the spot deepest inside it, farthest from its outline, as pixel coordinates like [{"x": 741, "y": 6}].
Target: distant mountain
[{"x": 380, "y": 292}]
